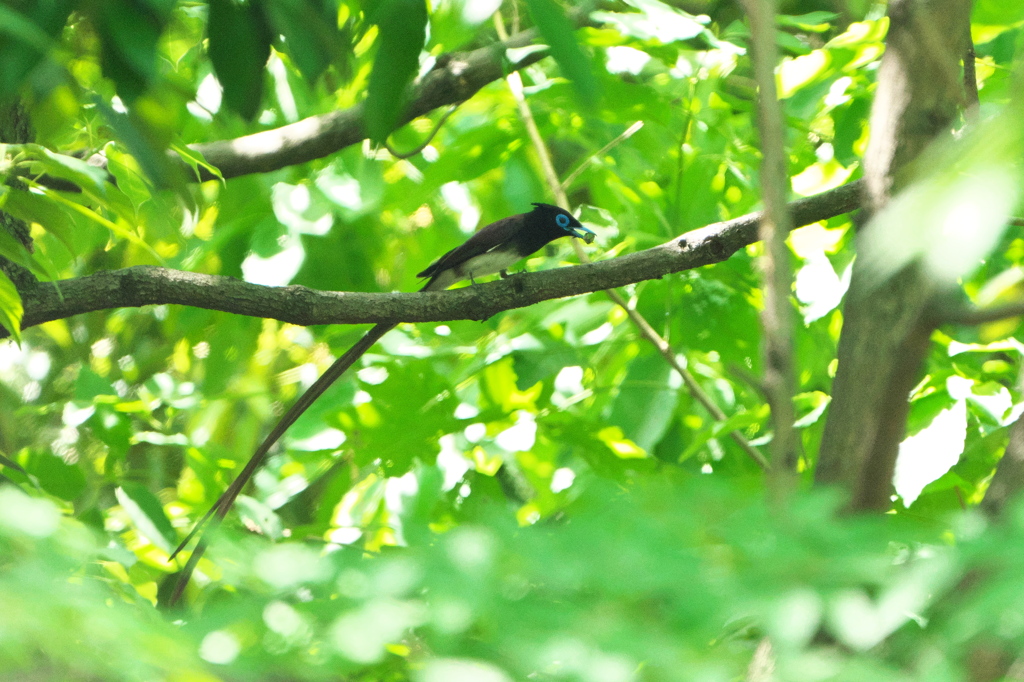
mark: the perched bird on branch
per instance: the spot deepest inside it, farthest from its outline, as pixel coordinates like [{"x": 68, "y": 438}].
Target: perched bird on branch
[{"x": 492, "y": 250}]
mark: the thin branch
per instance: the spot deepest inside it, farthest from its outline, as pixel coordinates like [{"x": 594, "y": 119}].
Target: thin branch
[
  {"x": 456, "y": 77},
  {"x": 698, "y": 393},
  {"x": 515, "y": 84},
  {"x": 413, "y": 152},
  {"x": 971, "y": 111},
  {"x": 777, "y": 317},
  {"x": 459, "y": 77},
  {"x": 623, "y": 136},
  {"x": 677, "y": 203},
  {"x": 976, "y": 316},
  {"x": 646, "y": 330},
  {"x": 149, "y": 285}
]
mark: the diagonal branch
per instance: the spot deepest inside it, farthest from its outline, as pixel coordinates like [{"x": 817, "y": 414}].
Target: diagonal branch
[{"x": 149, "y": 285}]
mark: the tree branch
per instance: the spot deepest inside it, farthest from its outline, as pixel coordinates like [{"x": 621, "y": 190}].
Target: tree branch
[
  {"x": 975, "y": 316},
  {"x": 456, "y": 77},
  {"x": 148, "y": 285}
]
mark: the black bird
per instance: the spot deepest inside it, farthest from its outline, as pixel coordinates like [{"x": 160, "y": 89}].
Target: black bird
[
  {"x": 502, "y": 244},
  {"x": 490, "y": 251}
]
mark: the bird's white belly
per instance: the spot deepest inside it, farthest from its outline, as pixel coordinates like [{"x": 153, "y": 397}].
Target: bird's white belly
[{"x": 487, "y": 264}]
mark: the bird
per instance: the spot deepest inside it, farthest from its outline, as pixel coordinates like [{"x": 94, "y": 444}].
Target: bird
[
  {"x": 492, "y": 250},
  {"x": 502, "y": 244}
]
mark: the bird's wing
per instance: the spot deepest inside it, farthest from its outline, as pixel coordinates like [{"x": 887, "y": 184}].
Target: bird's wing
[{"x": 492, "y": 236}]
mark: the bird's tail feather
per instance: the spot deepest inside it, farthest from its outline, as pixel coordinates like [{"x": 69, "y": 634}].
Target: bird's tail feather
[{"x": 227, "y": 498}]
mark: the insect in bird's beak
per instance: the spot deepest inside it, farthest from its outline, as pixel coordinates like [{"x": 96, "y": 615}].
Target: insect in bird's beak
[{"x": 584, "y": 234}]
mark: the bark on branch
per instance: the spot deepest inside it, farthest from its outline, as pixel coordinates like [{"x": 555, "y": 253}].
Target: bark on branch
[
  {"x": 456, "y": 77},
  {"x": 149, "y": 285}
]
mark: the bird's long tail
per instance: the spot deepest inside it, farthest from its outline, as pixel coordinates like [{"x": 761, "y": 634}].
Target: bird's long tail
[{"x": 227, "y": 498}]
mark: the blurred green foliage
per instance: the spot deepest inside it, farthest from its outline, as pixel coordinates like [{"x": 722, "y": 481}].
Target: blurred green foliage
[{"x": 535, "y": 495}]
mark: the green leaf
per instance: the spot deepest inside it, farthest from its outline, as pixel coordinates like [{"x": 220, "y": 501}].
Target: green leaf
[
  {"x": 196, "y": 160},
  {"x": 561, "y": 36},
  {"x": 817, "y": 22},
  {"x": 130, "y": 176},
  {"x": 11, "y": 310},
  {"x": 115, "y": 228},
  {"x": 38, "y": 263},
  {"x": 997, "y": 12},
  {"x": 147, "y": 514},
  {"x": 656, "y": 21},
  {"x": 415, "y": 398},
  {"x": 455, "y": 22},
  {"x": 56, "y": 477},
  {"x": 646, "y": 402},
  {"x": 239, "y": 48},
  {"x": 112, "y": 428},
  {"x": 129, "y": 31},
  {"x": 89, "y": 384},
  {"x": 36, "y": 208},
  {"x": 18, "y": 26},
  {"x": 402, "y": 25},
  {"x": 260, "y": 516},
  {"x": 14, "y": 251},
  {"x": 90, "y": 178},
  {"x": 25, "y": 40},
  {"x": 310, "y": 34},
  {"x": 138, "y": 138},
  {"x": 418, "y": 507}
]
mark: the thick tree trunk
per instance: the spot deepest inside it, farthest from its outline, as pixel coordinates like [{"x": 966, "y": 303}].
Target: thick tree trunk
[{"x": 885, "y": 335}]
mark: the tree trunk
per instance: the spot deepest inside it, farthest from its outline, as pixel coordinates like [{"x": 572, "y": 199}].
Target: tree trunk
[{"x": 885, "y": 334}]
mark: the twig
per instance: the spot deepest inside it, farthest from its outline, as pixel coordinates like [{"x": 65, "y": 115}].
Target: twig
[
  {"x": 5, "y": 461},
  {"x": 777, "y": 317},
  {"x": 975, "y": 316},
  {"x": 557, "y": 188},
  {"x": 625, "y": 135},
  {"x": 972, "y": 110},
  {"x": 413, "y": 152},
  {"x": 677, "y": 202},
  {"x": 698, "y": 393}
]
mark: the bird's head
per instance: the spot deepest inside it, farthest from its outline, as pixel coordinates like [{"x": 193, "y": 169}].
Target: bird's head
[{"x": 560, "y": 222}]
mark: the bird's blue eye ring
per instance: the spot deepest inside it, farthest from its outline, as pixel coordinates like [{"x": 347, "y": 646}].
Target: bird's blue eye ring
[{"x": 562, "y": 220}]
